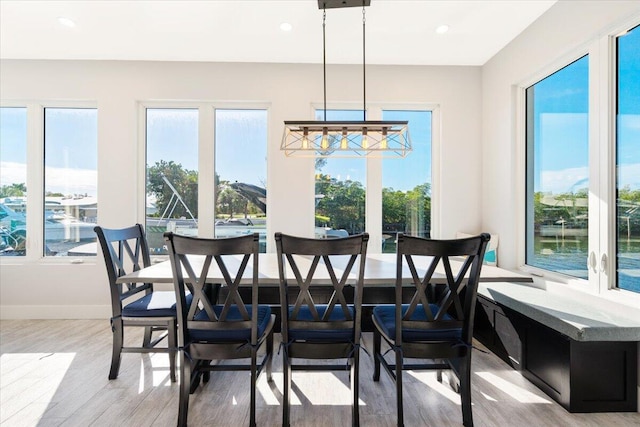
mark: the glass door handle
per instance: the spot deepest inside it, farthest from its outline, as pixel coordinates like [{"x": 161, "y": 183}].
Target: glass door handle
[
  {"x": 591, "y": 262},
  {"x": 603, "y": 263}
]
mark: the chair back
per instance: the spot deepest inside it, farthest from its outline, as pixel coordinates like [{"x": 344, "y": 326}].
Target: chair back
[
  {"x": 447, "y": 301},
  {"x": 336, "y": 260},
  {"x": 191, "y": 258},
  {"x": 125, "y": 250}
]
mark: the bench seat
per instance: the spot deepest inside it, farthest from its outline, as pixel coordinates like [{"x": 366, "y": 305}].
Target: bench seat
[
  {"x": 580, "y": 317},
  {"x": 580, "y": 350}
]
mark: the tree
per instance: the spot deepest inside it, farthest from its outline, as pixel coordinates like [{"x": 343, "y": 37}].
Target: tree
[
  {"x": 409, "y": 212},
  {"x": 393, "y": 209},
  {"x": 13, "y": 190},
  {"x": 229, "y": 201},
  {"x": 184, "y": 181},
  {"x": 343, "y": 203},
  {"x": 629, "y": 195},
  {"x": 419, "y": 210}
]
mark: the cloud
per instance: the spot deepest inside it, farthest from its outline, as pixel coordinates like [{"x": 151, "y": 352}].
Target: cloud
[
  {"x": 572, "y": 179},
  {"x": 629, "y": 175},
  {"x": 12, "y": 173},
  {"x": 630, "y": 121},
  {"x": 563, "y": 181},
  {"x": 58, "y": 180}
]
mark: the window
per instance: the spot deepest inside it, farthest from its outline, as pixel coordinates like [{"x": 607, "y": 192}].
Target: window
[
  {"x": 241, "y": 173},
  {"x": 340, "y": 188},
  {"x": 172, "y": 174},
  {"x": 13, "y": 181},
  {"x": 70, "y": 180},
  {"x": 557, "y": 177},
  {"x": 628, "y": 160},
  {"x": 393, "y": 194},
  {"x": 186, "y": 192},
  {"x": 406, "y": 182}
]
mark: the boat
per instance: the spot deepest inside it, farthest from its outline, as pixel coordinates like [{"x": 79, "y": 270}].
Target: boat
[{"x": 58, "y": 226}]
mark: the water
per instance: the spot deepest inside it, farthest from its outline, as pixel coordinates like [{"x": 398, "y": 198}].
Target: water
[{"x": 569, "y": 256}]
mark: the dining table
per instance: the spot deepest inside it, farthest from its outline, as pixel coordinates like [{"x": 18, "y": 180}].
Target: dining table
[
  {"x": 379, "y": 278},
  {"x": 380, "y": 271}
]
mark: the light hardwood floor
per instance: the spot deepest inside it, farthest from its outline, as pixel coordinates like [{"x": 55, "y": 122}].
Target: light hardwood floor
[{"x": 54, "y": 372}]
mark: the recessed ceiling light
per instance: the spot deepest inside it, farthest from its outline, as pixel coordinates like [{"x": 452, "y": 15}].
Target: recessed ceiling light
[
  {"x": 285, "y": 26},
  {"x": 67, "y": 22},
  {"x": 442, "y": 29}
]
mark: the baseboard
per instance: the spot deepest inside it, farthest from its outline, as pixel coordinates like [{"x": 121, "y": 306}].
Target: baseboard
[{"x": 55, "y": 312}]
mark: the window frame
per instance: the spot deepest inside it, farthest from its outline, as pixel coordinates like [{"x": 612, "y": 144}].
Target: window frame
[
  {"x": 526, "y": 149},
  {"x": 206, "y": 156},
  {"x": 602, "y": 207},
  {"x": 35, "y": 180}
]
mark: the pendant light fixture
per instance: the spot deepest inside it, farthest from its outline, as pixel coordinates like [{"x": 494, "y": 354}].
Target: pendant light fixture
[{"x": 328, "y": 138}]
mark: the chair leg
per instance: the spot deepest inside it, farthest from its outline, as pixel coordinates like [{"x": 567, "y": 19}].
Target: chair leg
[
  {"x": 254, "y": 385},
  {"x": 185, "y": 383},
  {"x": 286, "y": 371},
  {"x": 116, "y": 352},
  {"x": 146, "y": 342},
  {"x": 173, "y": 346},
  {"x": 465, "y": 391},
  {"x": 206, "y": 375},
  {"x": 355, "y": 388},
  {"x": 377, "y": 344},
  {"x": 399, "y": 388},
  {"x": 197, "y": 374},
  {"x": 270, "y": 356}
]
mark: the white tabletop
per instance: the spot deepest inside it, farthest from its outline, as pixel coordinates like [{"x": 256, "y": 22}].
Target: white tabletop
[{"x": 380, "y": 269}]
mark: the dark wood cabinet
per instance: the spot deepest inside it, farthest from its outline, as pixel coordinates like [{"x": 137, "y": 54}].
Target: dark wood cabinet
[
  {"x": 583, "y": 376},
  {"x": 496, "y": 327}
]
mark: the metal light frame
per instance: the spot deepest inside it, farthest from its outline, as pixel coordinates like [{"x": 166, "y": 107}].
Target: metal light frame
[{"x": 323, "y": 138}]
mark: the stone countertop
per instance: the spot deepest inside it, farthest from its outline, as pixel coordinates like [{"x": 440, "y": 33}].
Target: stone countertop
[{"x": 582, "y": 318}]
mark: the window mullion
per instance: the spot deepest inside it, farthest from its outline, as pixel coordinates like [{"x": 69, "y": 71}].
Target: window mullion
[
  {"x": 206, "y": 175},
  {"x": 373, "y": 201},
  {"x": 35, "y": 181}
]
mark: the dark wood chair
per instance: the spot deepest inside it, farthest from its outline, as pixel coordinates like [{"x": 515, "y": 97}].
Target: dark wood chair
[
  {"x": 437, "y": 323},
  {"x": 311, "y": 330},
  {"x": 208, "y": 331},
  {"x": 136, "y": 304}
]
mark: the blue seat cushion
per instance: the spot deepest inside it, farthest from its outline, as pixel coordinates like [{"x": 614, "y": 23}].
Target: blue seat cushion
[
  {"x": 321, "y": 335},
  {"x": 385, "y": 316},
  {"x": 209, "y": 335},
  {"x": 155, "y": 304}
]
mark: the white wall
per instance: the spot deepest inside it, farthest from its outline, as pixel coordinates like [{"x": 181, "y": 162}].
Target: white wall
[
  {"x": 565, "y": 29},
  {"x": 44, "y": 289}
]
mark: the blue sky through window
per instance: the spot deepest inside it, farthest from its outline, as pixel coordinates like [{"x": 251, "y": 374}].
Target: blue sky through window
[{"x": 628, "y": 120}]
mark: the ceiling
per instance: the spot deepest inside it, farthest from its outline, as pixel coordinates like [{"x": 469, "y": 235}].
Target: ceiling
[{"x": 397, "y": 31}]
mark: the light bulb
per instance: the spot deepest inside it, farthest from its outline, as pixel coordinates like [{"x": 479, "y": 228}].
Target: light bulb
[
  {"x": 305, "y": 138},
  {"x": 365, "y": 139},
  {"x": 344, "y": 143},
  {"x": 383, "y": 144},
  {"x": 324, "y": 144}
]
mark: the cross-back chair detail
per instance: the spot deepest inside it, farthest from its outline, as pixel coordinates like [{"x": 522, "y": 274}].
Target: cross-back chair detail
[
  {"x": 209, "y": 331},
  {"x": 437, "y": 322},
  {"x": 315, "y": 329},
  {"x": 125, "y": 250}
]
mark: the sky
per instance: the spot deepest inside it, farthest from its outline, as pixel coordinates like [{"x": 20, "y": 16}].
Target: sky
[
  {"x": 561, "y": 129},
  {"x": 70, "y": 156},
  {"x": 241, "y": 135}
]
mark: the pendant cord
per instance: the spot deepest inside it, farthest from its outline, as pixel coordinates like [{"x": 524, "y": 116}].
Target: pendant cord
[
  {"x": 324, "y": 60},
  {"x": 364, "y": 70}
]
